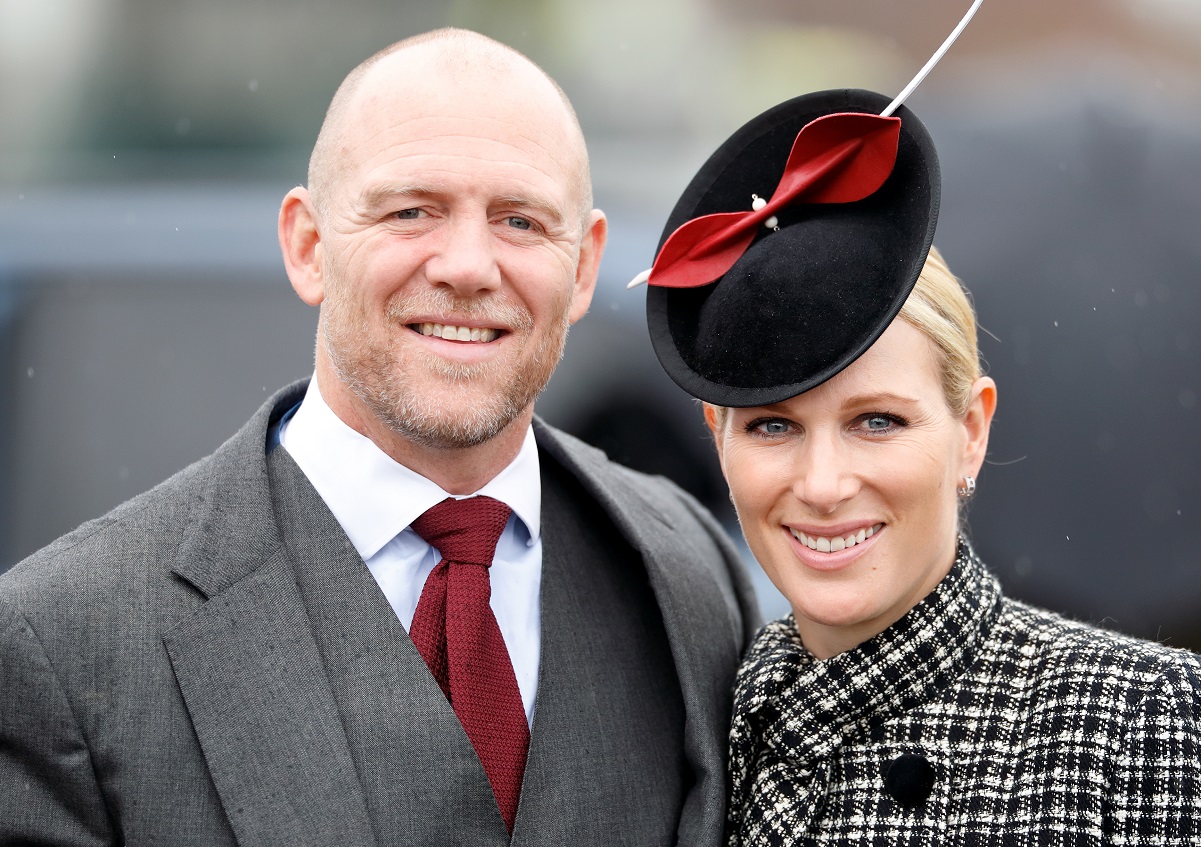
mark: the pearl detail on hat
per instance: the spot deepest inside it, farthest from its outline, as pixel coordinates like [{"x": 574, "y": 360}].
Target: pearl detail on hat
[{"x": 757, "y": 203}]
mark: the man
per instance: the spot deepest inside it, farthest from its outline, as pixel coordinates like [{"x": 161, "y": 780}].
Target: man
[{"x": 227, "y": 659}]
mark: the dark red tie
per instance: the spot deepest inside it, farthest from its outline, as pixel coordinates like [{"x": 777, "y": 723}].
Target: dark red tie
[{"x": 455, "y": 631}]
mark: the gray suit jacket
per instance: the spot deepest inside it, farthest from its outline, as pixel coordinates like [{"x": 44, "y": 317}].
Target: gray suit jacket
[{"x": 161, "y": 683}]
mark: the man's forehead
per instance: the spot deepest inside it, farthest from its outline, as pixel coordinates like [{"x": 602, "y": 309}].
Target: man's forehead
[
  {"x": 480, "y": 118},
  {"x": 434, "y": 147},
  {"x": 407, "y": 98}
]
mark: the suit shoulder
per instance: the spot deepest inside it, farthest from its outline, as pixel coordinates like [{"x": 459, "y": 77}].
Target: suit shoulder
[
  {"x": 140, "y": 536},
  {"x": 597, "y": 462},
  {"x": 144, "y": 529}
]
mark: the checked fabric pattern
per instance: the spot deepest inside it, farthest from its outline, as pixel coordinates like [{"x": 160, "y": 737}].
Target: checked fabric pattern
[
  {"x": 456, "y": 633},
  {"x": 1040, "y": 731}
]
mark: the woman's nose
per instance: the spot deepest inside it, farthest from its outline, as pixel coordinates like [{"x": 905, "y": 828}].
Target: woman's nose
[
  {"x": 465, "y": 260},
  {"x": 824, "y": 478}
]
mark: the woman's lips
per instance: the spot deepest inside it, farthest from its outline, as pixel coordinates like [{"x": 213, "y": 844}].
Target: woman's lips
[
  {"x": 833, "y": 543},
  {"x": 836, "y": 550}
]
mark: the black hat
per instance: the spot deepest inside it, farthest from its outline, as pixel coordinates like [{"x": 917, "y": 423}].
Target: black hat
[{"x": 793, "y": 248}]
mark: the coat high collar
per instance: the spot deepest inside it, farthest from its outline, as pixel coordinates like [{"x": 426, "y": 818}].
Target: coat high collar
[{"x": 789, "y": 705}]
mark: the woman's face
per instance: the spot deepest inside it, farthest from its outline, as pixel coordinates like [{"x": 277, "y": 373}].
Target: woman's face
[{"x": 864, "y": 468}]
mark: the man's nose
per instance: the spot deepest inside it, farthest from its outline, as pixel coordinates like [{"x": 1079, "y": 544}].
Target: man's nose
[
  {"x": 465, "y": 259},
  {"x": 824, "y": 478}
]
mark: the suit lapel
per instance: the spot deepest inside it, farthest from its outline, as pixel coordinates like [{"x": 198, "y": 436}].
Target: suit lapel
[
  {"x": 706, "y": 626},
  {"x": 693, "y": 601},
  {"x": 249, "y": 668},
  {"x": 606, "y": 686}
]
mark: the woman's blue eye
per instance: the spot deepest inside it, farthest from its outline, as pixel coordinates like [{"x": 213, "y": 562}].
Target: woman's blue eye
[
  {"x": 880, "y": 423},
  {"x": 772, "y": 427}
]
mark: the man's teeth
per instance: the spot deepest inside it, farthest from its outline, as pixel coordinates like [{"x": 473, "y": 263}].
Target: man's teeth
[
  {"x": 459, "y": 333},
  {"x": 833, "y": 545}
]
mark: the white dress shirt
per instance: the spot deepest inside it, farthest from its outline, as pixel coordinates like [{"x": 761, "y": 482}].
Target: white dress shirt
[{"x": 375, "y": 499}]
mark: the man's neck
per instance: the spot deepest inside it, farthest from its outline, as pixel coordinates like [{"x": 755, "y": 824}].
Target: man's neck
[{"x": 456, "y": 470}]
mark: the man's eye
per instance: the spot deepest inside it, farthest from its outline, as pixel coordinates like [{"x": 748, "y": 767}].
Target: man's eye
[
  {"x": 409, "y": 214},
  {"x": 518, "y": 222}
]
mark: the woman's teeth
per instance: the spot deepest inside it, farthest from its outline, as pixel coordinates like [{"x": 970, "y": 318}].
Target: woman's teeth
[
  {"x": 458, "y": 333},
  {"x": 832, "y": 545}
]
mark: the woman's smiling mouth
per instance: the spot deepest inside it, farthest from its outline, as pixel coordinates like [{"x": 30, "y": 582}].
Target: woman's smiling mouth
[{"x": 833, "y": 544}]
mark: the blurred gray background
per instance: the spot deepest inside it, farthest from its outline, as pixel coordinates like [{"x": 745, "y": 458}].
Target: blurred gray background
[{"x": 144, "y": 312}]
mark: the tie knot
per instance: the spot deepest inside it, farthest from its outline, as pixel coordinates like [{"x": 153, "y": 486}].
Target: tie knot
[{"x": 464, "y": 531}]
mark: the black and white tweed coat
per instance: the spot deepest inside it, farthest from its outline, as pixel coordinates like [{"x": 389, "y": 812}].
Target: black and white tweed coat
[{"x": 974, "y": 720}]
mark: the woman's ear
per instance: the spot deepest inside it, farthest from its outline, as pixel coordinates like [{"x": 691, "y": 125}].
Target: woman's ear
[
  {"x": 715, "y": 429},
  {"x": 976, "y": 424},
  {"x": 300, "y": 241}
]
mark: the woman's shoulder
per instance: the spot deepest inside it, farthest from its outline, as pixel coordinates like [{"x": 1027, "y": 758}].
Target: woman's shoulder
[{"x": 1063, "y": 654}]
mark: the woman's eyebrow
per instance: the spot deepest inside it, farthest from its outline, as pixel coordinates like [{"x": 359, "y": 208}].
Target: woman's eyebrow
[{"x": 876, "y": 398}]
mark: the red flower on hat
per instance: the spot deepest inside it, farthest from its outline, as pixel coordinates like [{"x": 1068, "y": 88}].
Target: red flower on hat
[{"x": 837, "y": 158}]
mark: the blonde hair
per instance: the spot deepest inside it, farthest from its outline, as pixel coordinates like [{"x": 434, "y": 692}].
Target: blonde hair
[{"x": 941, "y": 309}]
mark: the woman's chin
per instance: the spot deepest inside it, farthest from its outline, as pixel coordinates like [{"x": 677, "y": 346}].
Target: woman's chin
[
  {"x": 848, "y": 613},
  {"x": 832, "y": 624}
]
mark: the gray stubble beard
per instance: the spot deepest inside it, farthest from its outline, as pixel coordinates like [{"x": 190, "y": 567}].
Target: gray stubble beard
[{"x": 383, "y": 386}]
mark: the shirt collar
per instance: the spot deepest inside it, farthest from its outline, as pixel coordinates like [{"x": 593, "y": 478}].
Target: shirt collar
[{"x": 374, "y": 497}]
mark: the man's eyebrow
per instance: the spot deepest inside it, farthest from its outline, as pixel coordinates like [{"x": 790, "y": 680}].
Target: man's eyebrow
[
  {"x": 375, "y": 196},
  {"x": 545, "y": 208}
]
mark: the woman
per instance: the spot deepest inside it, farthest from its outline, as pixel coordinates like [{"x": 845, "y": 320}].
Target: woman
[{"x": 905, "y": 700}]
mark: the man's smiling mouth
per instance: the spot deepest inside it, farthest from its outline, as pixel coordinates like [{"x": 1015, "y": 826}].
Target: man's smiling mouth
[{"x": 449, "y": 332}]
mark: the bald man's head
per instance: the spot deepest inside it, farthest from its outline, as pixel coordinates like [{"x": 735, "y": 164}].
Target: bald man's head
[{"x": 444, "y": 57}]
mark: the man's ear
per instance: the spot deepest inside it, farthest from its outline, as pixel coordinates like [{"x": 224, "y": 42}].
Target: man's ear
[
  {"x": 592, "y": 247},
  {"x": 976, "y": 424},
  {"x": 300, "y": 241}
]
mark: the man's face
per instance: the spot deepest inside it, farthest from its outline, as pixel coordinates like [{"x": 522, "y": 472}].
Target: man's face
[{"x": 450, "y": 248}]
